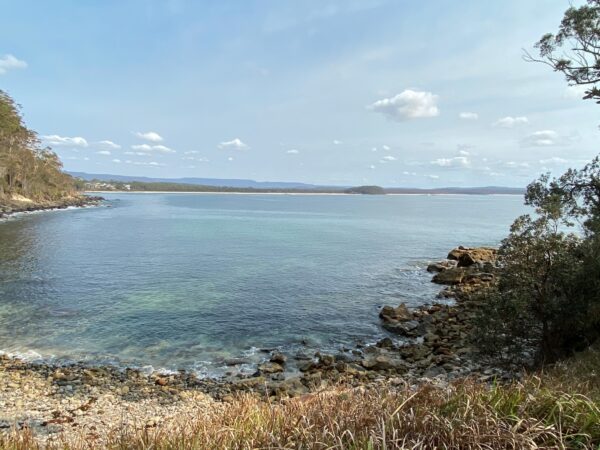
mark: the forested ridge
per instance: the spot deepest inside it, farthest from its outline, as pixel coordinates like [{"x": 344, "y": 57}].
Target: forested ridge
[{"x": 27, "y": 169}]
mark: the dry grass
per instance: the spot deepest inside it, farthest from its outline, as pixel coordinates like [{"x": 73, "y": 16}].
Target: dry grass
[{"x": 557, "y": 409}]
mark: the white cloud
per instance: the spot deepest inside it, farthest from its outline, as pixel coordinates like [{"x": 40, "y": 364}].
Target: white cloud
[
  {"x": 434, "y": 177},
  {"x": 511, "y": 122},
  {"x": 162, "y": 149},
  {"x": 516, "y": 165},
  {"x": 140, "y": 163},
  {"x": 463, "y": 153},
  {"x": 116, "y": 161},
  {"x": 409, "y": 173},
  {"x": 230, "y": 158},
  {"x": 103, "y": 152},
  {"x": 191, "y": 152},
  {"x": 543, "y": 138},
  {"x": 293, "y": 152},
  {"x": 9, "y": 62},
  {"x": 138, "y": 153},
  {"x": 555, "y": 160},
  {"x": 408, "y": 105},
  {"x": 55, "y": 139},
  {"x": 149, "y": 148},
  {"x": 151, "y": 136},
  {"x": 195, "y": 158},
  {"x": 371, "y": 167},
  {"x": 336, "y": 142},
  {"x": 389, "y": 158},
  {"x": 469, "y": 115},
  {"x": 109, "y": 144},
  {"x": 234, "y": 144},
  {"x": 386, "y": 148},
  {"x": 457, "y": 161},
  {"x": 374, "y": 149}
]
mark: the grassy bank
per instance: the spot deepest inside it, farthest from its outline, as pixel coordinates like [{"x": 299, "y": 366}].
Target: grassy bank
[{"x": 559, "y": 408}]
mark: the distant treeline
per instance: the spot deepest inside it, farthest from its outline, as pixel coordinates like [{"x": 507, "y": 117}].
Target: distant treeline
[
  {"x": 141, "y": 186},
  {"x": 27, "y": 168}
]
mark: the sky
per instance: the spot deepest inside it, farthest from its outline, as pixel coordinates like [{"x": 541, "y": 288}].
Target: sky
[{"x": 332, "y": 92}]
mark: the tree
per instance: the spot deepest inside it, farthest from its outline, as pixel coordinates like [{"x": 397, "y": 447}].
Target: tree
[
  {"x": 575, "y": 49},
  {"x": 26, "y": 168}
]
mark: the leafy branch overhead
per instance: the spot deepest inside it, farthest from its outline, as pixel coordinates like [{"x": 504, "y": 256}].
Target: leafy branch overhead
[{"x": 575, "y": 49}]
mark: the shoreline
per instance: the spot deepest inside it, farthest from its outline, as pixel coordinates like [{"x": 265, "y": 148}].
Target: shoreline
[
  {"x": 17, "y": 207},
  {"x": 301, "y": 193},
  {"x": 52, "y": 398}
]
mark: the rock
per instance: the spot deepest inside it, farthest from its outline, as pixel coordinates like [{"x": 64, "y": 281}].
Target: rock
[
  {"x": 391, "y": 314},
  {"x": 278, "y": 358},
  {"x": 466, "y": 256},
  {"x": 382, "y": 362},
  {"x": 234, "y": 361},
  {"x": 440, "y": 266},
  {"x": 270, "y": 367},
  {"x": 161, "y": 381},
  {"x": 412, "y": 328},
  {"x": 450, "y": 276},
  {"x": 385, "y": 343},
  {"x": 434, "y": 371}
]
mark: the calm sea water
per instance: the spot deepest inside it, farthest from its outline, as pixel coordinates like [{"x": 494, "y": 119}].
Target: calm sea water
[{"x": 188, "y": 280}]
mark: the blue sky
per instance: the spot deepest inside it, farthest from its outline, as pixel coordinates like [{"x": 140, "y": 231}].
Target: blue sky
[{"x": 345, "y": 92}]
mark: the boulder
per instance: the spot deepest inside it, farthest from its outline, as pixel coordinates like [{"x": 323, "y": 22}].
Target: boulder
[
  {"x": 278, "y": 358},
  {"x": 440, "y": 266},
  {"x": 450, "y": 276},
  {"x": 466, "y": 256},
  {"x": 270, "y": 367},
  {"x": 399, "y": 314}
]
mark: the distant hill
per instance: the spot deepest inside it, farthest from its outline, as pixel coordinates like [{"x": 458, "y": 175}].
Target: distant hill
[
  {"x": 199, "y": 181},
  {"x": 230, "y": 185}
]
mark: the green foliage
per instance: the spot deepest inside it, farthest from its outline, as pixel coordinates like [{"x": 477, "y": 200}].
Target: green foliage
[
  {"x": 548, "y": 296},
  {"x": 575, "y": 49},
  {"x": 26, "y": 168},
  {"x": 367, "y": 190}
]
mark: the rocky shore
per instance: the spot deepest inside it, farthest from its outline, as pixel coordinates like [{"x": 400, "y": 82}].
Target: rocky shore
[
  {"x": 18, "y": 204},
  {"x": 426, "y": 345}
]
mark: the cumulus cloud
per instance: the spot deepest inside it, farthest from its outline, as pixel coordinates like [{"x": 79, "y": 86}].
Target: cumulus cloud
[
  {"x": 386, "y": 148},
  {"x": 56, "y": 140},
  {"x": 463, "y": 153},
  {"x": 103, "y": 152},
  {"x": 293, "y": 151},
  {"x": 116, "y": 161},
  {"x": 337, "y": 142},
  {"x": 409, "y": 173},
  {"x": 407, "y": 105},
  {"x": 542, "y": 138},
  {"x": 151, "y": 136},
  {"x": 511, "y": 122},
  {"x": 138, "y": 153},
  {"x": 469, "y": 115},
  {"x": 9, "y": 62},
  {"x": 145, "y": 148},
  {"x": 389, "y": 158},
  {"x": 234, "y": 144},
  {"x": 109, "y": 144},
  {"x": 516, "y": 165},
  {"x": 434, "y": 177},
  {"x": 456, "y": 162},
  {"x": 371, "y": 167}
]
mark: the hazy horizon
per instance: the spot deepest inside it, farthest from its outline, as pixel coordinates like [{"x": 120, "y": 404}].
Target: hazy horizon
[{"x": 324, "y": 92}]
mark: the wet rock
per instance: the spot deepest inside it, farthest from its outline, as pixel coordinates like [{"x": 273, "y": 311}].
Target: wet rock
[
  {"x": 391, "y": 314},
  {"x": 385, "y": 343},
  {"x": 278, "y": 358},
  {"x": 270, "y": 367},
  {"x": 440, "y": 266}
]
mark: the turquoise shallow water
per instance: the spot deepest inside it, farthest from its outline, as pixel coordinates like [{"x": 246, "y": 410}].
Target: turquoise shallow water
[{"x": 187, "y": 280}]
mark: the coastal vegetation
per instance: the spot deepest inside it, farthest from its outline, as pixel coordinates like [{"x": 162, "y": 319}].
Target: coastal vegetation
[{"x": 28, "y": 171}]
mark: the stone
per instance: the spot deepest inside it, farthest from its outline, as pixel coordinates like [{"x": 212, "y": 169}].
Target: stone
[
  {"x": 278, "y": 358},
  {"x": 450, "y": 276},
  {"x": 440, "y": 266},
  {"x": 391, "y": 314},
  {"x": 270, "y": 367}
]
